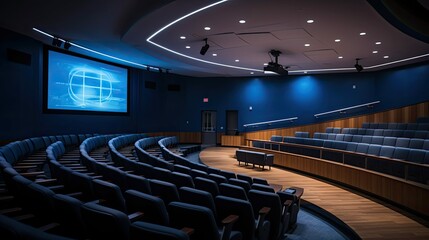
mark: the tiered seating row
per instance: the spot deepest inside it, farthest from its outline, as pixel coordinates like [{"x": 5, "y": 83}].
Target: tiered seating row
[{"x": 424, "y": 126}]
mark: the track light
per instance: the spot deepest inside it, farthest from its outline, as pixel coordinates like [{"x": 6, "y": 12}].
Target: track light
[
  {"x": 205, "y": 47},
  {"x": 67, "y": 45},
  {"x": 358, "y": 67},
  {"x": 56, "y": 42}
]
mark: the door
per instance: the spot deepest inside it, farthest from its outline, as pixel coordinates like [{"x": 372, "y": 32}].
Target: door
[
  {"x": 208, "y": 129},
  {"x": 231, "y": 122}
]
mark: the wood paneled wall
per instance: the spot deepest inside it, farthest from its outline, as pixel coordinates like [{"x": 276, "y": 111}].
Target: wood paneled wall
[{"x": 400, "y": 115}]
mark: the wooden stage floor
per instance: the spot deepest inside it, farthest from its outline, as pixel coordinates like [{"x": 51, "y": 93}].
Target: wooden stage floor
[{"x": 369, "y": 219}]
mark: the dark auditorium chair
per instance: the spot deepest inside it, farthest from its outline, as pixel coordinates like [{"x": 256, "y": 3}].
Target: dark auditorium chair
[
  {"x": 68, "y": 214},
  {"x": 260, "y": 181},
  {"x": 387, "y": 151},
  {"x": 110, "y": 195},
  {"x": 233, "y": 191},
  {"x": 182, "y": 180},
  {"x": 279, "y": 221},
  {"x": 293, "y": 208},
  {"x": 197, "y": 197},
  {"x": 389, "y": 141},
  {"x": 218, "y": 178},
  {"x": 213, "y": 170},
  {"x": 152, "y": 207},
  {"x": 202, "y": 220},
  {"x": 245, "y": 178},
  {"x": 241, "y": 183},
  {"x": 401, "y": 153},
  {"x": 207, "y": 185},
  {"x": 262, "y": 187},
  {"x": 161, "y": 174},
  {"x": 165, "y": 190},
  {"x": 138, "y": 183},
  {"x": 251, "y": 228},
  {"x": 198, "y": 173},
  {"x": 149, "y": 231},
  {"x": 182, "y": 169},
  {"x": 227, "y": 174}
]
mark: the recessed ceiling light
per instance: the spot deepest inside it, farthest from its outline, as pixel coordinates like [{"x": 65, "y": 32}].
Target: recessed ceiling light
[
  {"x": 340, "y": 57},
  {"x": 310, "y": 21},
  {"x": 252, "y": 73},
  {"x": 362, "y": 33},
  {"x": 207, "y": 28},
  {"x": 377, "y": 43},
  {"x": 237, "y": 60},
  {"x": 375, "y": 51},
  {"x": 182, "y": 37},
  {"x": 337, "y": 40},
  {"x": 307, "y": 44},
  {"x": 242, "y": 21},
  {"x": 188, "y": 47},
  {"x": 386, "y": 57},
  {"x": 265, "y": 64},
  {"x": 214, "y": 54},
  {"x": 305, "y": 72}
]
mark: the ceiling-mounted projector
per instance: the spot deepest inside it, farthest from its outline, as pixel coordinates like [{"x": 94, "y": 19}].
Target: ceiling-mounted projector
[{"x": 275, "y": 67}]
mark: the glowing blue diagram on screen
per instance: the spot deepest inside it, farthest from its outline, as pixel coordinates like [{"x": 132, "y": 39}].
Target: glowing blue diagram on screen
[{"x": 81, "y": 84}]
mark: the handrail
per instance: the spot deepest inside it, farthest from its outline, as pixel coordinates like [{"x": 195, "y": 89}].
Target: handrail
[
  {"x": 342, "y": 110},
  {"x": 268, "y": 122}
]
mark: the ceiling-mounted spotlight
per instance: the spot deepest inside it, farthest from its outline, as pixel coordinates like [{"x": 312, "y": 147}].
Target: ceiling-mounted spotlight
[
  {"x": 275, "y": 67},
  {"x": 56, "y": 42},
  {"x": 205, "y": 47},
  {"x": 67, "y": 45},
  {"x": 358, "y": 67}
]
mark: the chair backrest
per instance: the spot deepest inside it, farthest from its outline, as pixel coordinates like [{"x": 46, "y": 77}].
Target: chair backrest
[
  {"x": 182, "y": 180},
  {"x": 201, "y": 219},
  {"x": 153, "y": 208},
  {"x": 207, "y": 185},
  {"x": 233, "y": 191},
  {"x": 145, "y": 230},
  {"x": 165, "y": 190},
  {"x": 245, "y": 178},
  {"x": 218, "y": 178},
  {"x": 68, "y": 214},
  {"x": 241, "y": 183},
  {"x": 262, "y": 187},
  {"x": 110, "y": 193},
  {"x": 105, "y": 223},
  {"x": 138, "y": 183},
  {"x": 197, "y": 197}
]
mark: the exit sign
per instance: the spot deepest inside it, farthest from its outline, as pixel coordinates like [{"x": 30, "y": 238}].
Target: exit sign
[{"x": 205, "y": 99}]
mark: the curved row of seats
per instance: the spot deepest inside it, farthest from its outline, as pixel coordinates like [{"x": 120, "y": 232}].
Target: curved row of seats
[
  {"x": 401, "y": 126},
  {"x": 422, "y": 134}
]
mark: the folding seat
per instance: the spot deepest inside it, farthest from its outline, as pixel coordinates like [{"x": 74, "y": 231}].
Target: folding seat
[
  {"x": 362, "y": 148},
  {"x": 200, "y": 167},
  {"x": 382, "y": 125},
  {"x": 276, "y": 138},
  {"x": 339, "y": 137},
  {"x": 249, "y": 179},
  {"x": 365, "y": 125},
  {"x": 105, "y": 223},
  {"x": 114, "y": 174},
  {"x": 398, "y": 133},
  {"x": 182, "y": 169},
  {"x": 366, "y": 139},
  {"x": 416, "y": 155},
  {"x": 351, "y": 146},
  {"x": 13, "y": 229},
  {"x": 136, "y": 182},
  {"x": 412, "y": 126},
  {"x": 409, "y": 133},
  {"x": 143, "y": 169},
  {"x": 377, "y": 140},
  {"x": 233, "y": 191},
  {"x": 373, "y": 125},
  {"x": 250, "y": 228},
  {"x": 278, "y": 221},
  {"x": 426, "y": 145},
  {"x": 353, "y": 131},
  {"x": 416, "y": 143},
  {"x": 144, "y": 230},
  {"x": 262, "y": 187},
  {"x": 241, "y": 183},
  {"x": 423, "y": 126},
  {"x": 345, "y": 131},
  {"x": 79, "y": 182},
  {"x": 8, "y": 154},
  {"x": 378, "y": 132},
  {"x": 336, "y": 130},
  {"x": 389, "y": 141},
  {"x": 227, "y": 174},
  {"x": 392, "y": 125},
  {"x": 328, "y": 143},
  {"x": 207, "y": 185},
  {"x": 153, "y": 208},
  {"x": 218, "y": 178},
  {"x": 426, "y": 160},
  {"x": 165, "y": 190},
  {"x": 68, "y": 214},
  {"x": 202, "y": 220},
  {"x": 374, "y": 149},
  {"x": 329, "y": 130},
  {"x": 387, "y": 151},
  {"x": 369, "y": 132},
  {"x": 363, "y": 131},
  {"x": 161, "y": 174},
  {"x": 182, "y": 180},
  {"x": 331, "y": 136},
  {"x": 357, "y": 138},
  {"x": 317, "y": 135},
  {"x": 389, "y": 132},
  {"x": 348, "y": 137},
  {"x": 401, "y": 153},
  {"x": 420, "y": 134},
  {"x": 110, "y": 195},
  {"x": 197, "y": 197},
  {"x": 260, "y": 181},
  {"x": 340, "y": 145},
  {"x": 213, "y": 170},
  {"x": 197, "y": 173},
  {"x": 292, "y": 204},
  {"x": 40, "y": 201},
  {"x": 402, "y": 142}
]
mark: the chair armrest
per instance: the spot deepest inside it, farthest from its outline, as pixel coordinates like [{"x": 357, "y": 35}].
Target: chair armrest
[
  {"x": 286, "y": 206},
  {"x": 135, "y": 216},
  {"x": 227, "y": 224}
]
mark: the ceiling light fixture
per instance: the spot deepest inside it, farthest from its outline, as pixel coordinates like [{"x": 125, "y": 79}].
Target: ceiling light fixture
[
  {"x": 375, "y": 51},
  {"x": 242, "y": 21},
  {"x": 188, "y": 47},
  {"x": 362, "y": 33},
  {"x": 377, "y": 43},
  {"x": 310, "y": 21},
  {"x": 237, "y": 60},
  {"x": 214, "y": 54},
  {"x": 337, "y": 40},
  {"x": 358, "y": 67},
  {"x": 386, "y": 57},
  {"x": 207, "y": 28},
  {"x": 340, "y": 57},
  {"x": 275, "y": 67},
  {"x": 205, "y": 47},
  {"x": 182, "y": 37},
  {"x": 307, "y": 44}
]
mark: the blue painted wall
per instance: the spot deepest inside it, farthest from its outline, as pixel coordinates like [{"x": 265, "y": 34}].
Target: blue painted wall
[{"x": 162, "y": 110}]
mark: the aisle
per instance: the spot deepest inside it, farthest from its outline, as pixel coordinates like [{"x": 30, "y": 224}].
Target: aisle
[{"x": 369, "y": 219}]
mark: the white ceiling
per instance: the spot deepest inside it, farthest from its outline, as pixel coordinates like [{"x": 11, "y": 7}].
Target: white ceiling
[{"x": 121, "y": 28}]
